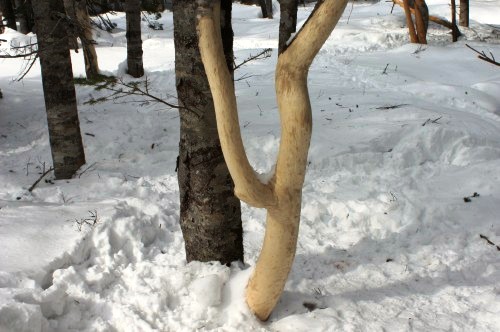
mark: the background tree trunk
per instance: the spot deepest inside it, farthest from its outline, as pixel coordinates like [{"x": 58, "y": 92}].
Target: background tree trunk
[
  {"x": 69, "y": 8},
  {"x": 210, "y": 213},
  {"x": 89, "y": 53},
  {"x": 59, "y": 90},
  {"x": 454, "y": 32},
  {"x": 409, "y": 22},
  {"x": 266, "y": 6},
  {"x": 288, "y": 22},
  {"x": 9, "y": 14},
  {"x": 464, "y": 13},
  {"x": 134, "y": 42},
  {"x": 421, "y": 20},
  {"x": 21, "y": 16}
]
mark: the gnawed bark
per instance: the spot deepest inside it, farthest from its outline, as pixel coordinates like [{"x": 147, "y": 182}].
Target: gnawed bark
[
  {"x": 282, "y": 195},
  {"x": 210, "y": 213},
  {"x": 59, "y": 90}
]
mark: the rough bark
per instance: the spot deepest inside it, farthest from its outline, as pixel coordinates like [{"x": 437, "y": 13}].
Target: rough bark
[
  {"x": 210, "y": 213},
  {"x": 282, "y": 195},
  {"x": 288, "y": 22},
  {"x": 134, "y": 42},
  {"x": 9, "y": 14},
  {"x": 69, "y": 7},
  {"x": 464, "y": 13},
  {"x": 59, "y": 90}
]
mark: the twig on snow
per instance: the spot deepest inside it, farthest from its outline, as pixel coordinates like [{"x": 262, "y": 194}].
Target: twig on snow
[
  {"x": 40, "y": 179},
  {"x": 483, "y": 56}
]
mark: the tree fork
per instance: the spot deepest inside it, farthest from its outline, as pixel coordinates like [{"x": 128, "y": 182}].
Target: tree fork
[{"x": 282, "y": 195}]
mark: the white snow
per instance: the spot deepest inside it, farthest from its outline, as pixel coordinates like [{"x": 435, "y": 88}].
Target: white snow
[{"x": 402, "y": 134}]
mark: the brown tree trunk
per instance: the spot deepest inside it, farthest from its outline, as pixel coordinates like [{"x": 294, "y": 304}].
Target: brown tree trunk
[
  {"x": 454, "y": 31},
  {"x": 281, "y": 196},
  {"x": 210, "y": 213},
  {"x": 288, "y": 22},
  {"x": 464, "y": 13},
  {"x": 421, "y": 20},
  {"x": 9, "y": 14},
  {"x": 59, "y": 90},
  {"x": 134, "y": 42},
  {"x": 409, "y": 22},
  {"x": 85, "y": 28}
]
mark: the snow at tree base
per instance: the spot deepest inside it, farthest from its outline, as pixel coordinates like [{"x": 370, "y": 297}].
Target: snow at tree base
[{"x": 400, "y": 224}]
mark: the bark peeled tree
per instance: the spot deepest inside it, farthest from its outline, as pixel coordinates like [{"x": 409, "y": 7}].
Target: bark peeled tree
[
  {"x": 58, "y": 88},
  {"x": 282, "y": 195},
  {"x": 210, "y": 215},
  {"x": 134, "y": 43}
]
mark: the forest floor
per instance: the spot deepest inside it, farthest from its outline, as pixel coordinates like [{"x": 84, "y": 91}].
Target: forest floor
[{"x": 400, "y": 224}]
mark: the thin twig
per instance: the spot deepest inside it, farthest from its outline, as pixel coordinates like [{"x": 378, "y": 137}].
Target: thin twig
[
  {"x": 40, "y": 179},
  {"x": 266, "y": 53},
  {"x": 483, "y": 56}
]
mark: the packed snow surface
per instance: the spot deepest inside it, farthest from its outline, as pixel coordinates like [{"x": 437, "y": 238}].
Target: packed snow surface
[{"x": 401, "y": 204}]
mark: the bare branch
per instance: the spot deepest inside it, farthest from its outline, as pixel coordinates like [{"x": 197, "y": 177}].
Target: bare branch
[
  {"x": 40, "y": 179},
  {"x": 266, "y": 53},
  {"x": 483, "y": 56}
]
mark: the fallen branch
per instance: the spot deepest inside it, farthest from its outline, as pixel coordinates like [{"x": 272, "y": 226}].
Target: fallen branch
[
  {"x": 431, "y": 121},
  {"x": 391, "y": 107},
  {"x": 484, "y": 237},
  {"x": 483, "y": 56},
  {"x": 40, "y": 179}
]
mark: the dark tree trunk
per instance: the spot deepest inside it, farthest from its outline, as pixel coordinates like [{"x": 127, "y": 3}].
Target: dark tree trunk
[
  {"x": 266, "y": 6},
  {"x": 464, "y": 13},
  {"x": 134, "y": 42},
  {"x": 288, "y": 22},
  {"x": 210, "y": 213},
  {"x": 454, "y": 32},
  {"x": 9, "y": 14},
  {"x": 59, "y": 90},
  {"x": 21, "y": 16}
]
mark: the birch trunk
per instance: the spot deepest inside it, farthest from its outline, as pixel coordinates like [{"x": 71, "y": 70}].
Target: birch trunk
[
  {"x": 282, "y": 195},
  {"x": 59, "y": 90}
]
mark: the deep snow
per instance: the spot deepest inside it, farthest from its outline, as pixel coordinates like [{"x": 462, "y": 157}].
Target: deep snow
[{"x": 401, "y": 135}]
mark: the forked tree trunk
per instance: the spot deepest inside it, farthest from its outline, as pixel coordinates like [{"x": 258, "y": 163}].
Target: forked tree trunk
[
  {"x": 464, "y": 13},
  {"x": 134, "y": 42},
  {"x": 59, "y": 90},
  {"x": 409, "y": 22},
  {"x": 421, "y": 20},
  {"x": 210, "y": 215},
  {"x": 288, "y": 22},
  {"x": 282, "y": 195},
  {"x": 88, "y": 43}
]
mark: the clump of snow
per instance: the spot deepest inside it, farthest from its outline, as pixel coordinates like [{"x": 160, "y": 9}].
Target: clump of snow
[{"x": 392, "y": 236}]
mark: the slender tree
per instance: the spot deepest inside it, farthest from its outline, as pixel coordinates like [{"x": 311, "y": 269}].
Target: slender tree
[
  {"x": 21, "y": 16},
  {"x": 266, "y": 6},
  {"x": 210, "y": 215},
  {"x": 463, "y": 19},
  {"x": 288, "y": 22},
  {"x": 59, "y": 90},
  {"x": 134, "y": 42},
  {"x": 281, "y": 196}
]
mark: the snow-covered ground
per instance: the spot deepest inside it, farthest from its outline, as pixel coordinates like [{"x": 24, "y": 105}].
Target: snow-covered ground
[{"x": 402, "y": 134}]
